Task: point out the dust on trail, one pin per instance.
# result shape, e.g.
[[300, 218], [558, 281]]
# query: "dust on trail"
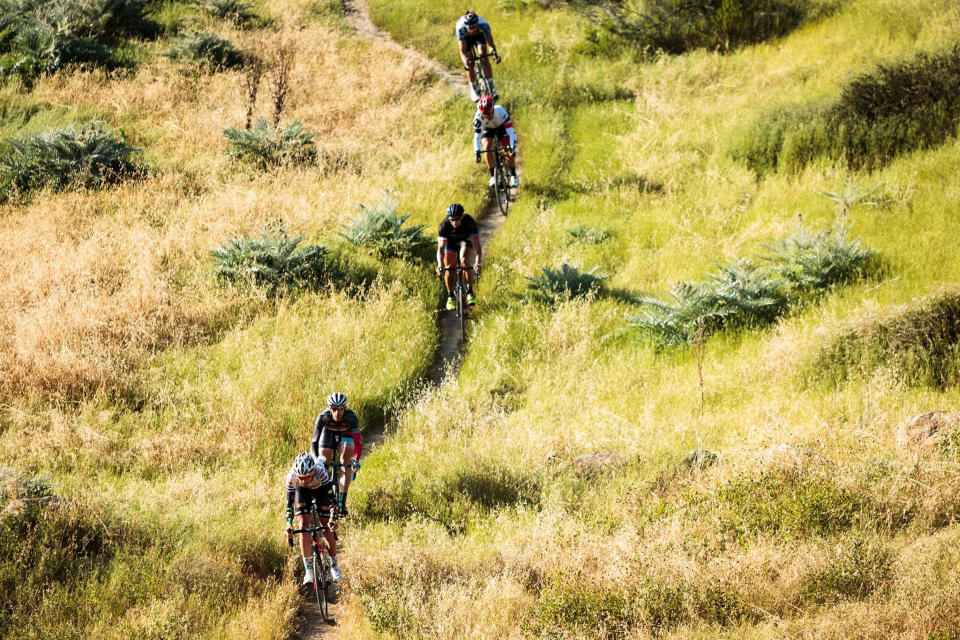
[[310, 624]]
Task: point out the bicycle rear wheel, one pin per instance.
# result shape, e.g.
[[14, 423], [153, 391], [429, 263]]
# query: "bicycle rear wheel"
[[320, 585]]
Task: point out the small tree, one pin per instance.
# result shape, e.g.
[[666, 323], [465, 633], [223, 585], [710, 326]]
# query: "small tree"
[[567, 282], [266, 146]]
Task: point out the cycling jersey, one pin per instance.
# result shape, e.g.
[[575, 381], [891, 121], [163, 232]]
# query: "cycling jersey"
[[478, 36], [348, 428], [297, 485], [498, 122], [466, 232]]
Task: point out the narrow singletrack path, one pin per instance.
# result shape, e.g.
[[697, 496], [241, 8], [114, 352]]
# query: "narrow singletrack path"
[[310, 625]]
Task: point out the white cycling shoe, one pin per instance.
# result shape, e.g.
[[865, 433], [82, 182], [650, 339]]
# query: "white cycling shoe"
[[473, 93], [514, 181], [335, 574], [492, 182], [308, 577]]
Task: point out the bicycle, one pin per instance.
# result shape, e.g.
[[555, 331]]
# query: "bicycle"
[[501, 177], [483, 82], [321, 558], [460, 295]]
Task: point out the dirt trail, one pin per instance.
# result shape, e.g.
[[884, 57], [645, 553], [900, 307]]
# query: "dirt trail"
[[310, 624]]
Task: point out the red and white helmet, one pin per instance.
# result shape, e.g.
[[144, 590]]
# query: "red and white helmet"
[[486, 104]]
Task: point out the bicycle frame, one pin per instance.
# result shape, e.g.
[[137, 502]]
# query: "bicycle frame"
[[460, 295], [321, 555], [501, 178]]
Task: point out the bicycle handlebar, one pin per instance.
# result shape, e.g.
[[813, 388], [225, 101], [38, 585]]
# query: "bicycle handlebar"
[[485, 55]]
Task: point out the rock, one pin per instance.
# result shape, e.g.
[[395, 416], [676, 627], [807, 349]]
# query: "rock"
[[596, 461], [14, 508], [921, 433]]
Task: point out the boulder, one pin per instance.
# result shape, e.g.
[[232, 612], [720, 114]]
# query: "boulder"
[[597, 461], [921, 433]]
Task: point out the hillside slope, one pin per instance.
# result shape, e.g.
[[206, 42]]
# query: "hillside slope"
[[478, 522]]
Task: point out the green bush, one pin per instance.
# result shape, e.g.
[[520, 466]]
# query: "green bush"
[[922, 345], [676, 26], [235, 11], [563, 284], [587, 235], [785, 503], [266, 146], [379, 228], [741, 294], [811, 262], [898, 107], [273, 262], [451, 495], [69, 157], [855, 570], [207, 50], [576, 606], [42, 37]]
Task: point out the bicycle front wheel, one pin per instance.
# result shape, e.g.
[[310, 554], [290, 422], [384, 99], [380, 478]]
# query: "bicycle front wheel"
[[462, 308], [502, 188], [320, 585]]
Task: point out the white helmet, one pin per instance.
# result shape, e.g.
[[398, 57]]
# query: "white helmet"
[[305, 465]]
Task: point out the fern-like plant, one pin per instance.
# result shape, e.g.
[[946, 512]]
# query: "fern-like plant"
[[273, 262], [380, 229], [266, 146], [567, 282], [86, 157], [811, 261], [207, 50]]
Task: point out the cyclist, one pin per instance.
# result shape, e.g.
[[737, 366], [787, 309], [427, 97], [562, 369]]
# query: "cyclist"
[[458, 237], [472, 30], [492, 121], [308, 482], [338, 421]]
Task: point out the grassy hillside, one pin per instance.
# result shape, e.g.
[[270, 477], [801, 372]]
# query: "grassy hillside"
[[159, 406], [477, 522]]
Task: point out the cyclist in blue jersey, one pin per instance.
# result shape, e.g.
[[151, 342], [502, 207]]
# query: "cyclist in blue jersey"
[[472, 30]]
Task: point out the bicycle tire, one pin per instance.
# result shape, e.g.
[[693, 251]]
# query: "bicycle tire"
[[320, 573], [462, 305], [502, 188]]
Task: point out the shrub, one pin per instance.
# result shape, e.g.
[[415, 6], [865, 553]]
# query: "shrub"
[[589, 235], [740, 294], [898, 107], [785, 502], [235, 11], [676, 26], [273, 261], [744, 295], [87, 157], [266, 146], [854, 571], [565, 283], [380, 229], [811, 262], [42, 37], [922, 345], [206, 50]]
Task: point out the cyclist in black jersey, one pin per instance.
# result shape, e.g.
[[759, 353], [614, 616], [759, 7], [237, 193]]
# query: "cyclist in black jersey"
[[458, 238], [337, 420]]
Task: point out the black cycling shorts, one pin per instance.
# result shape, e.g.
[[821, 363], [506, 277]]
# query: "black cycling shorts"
[[329, 438], [453, 246], [478, 40], [305, 496], [499, 132]]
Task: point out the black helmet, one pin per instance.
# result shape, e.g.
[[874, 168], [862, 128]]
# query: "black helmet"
[[470, 19], [455, 210], [337, 401]]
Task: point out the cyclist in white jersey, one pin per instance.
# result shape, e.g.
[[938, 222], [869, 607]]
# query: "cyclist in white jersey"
[[308, 482], [492, 121], [472, 30]]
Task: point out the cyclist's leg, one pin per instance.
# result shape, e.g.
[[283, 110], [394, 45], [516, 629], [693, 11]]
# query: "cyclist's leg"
[[450, 261], [486, 143], [482, 50], [346, 459], [471, 70], [466, 260]]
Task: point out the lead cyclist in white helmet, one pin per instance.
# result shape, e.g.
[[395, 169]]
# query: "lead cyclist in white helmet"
[[472, 30]]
